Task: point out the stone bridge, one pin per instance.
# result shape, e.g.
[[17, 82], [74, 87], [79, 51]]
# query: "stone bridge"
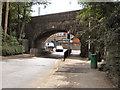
[[42, 27]]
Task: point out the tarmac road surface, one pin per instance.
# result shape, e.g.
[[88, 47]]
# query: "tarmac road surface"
[[28, 72]]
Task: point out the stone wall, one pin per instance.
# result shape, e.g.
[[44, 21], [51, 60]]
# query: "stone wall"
[[25, 44]]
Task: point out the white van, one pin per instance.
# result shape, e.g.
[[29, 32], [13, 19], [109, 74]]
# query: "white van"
[[49, 45]]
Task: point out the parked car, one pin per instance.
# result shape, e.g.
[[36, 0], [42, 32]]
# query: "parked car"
[[50, 45], [59, 49]]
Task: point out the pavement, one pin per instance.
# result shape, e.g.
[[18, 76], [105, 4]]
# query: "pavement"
[[75, 72]]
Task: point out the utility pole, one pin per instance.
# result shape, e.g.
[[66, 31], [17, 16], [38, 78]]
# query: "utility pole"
[[68, 37], [89, 52], [89, 37]]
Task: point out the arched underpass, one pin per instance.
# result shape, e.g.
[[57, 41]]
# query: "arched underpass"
[[40, 43], [41, 27], [40, 40]]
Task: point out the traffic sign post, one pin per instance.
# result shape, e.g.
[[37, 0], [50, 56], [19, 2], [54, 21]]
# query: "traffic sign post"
[[68, 37]]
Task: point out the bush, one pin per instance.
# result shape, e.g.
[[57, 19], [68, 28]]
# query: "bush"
[[12, 50], [11, 46]]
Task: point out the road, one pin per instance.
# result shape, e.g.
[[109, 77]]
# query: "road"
[[56, 55], [39, 72], [28, 72]]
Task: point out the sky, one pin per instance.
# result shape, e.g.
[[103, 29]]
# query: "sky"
[[56, 6]]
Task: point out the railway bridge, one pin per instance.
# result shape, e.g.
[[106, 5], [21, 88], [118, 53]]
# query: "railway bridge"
[[42, 27]]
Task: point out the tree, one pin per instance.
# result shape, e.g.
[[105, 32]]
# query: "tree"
[[0, 13], [23, 24], [0, 26], [104, 34], [96, 13], [18, 30], [14, 17], [6, 20], [19, 15], [26, 16]]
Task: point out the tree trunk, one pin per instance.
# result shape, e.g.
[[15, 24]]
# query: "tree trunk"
[[18, 30], [23, 24], [21, 31], [0, 14], [6, 20]]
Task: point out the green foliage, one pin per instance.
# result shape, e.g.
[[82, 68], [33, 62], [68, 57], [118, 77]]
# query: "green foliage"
[[104, 33], [104, 26], [19, 15], [95, 12], [16, 15], [11, 46], [11, 50]]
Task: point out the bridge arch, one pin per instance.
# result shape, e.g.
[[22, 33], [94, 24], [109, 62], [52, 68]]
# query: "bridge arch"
[[41, 27], [40, 40]]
